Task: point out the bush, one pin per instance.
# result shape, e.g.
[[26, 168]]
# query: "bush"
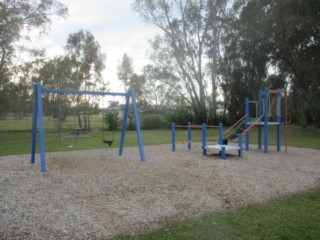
[[112, 120], [223, 118], [180, 115], [152, 121]]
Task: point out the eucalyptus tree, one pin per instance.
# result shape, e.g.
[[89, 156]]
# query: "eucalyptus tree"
[[88, 62], [243, 66], [125, 70], [87, 58], [158, 93], [19, 99], [284, 35], [294, 30], [137, 82], [184, 48], [57, 73], [17, 19]]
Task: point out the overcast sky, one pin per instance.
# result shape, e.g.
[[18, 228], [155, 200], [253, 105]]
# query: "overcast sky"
[[114, 25]]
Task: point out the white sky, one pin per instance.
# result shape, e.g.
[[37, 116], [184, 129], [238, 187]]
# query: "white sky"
[[114, 25]]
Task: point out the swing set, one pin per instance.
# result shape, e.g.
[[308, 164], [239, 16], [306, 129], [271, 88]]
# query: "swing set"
[[38, 125]]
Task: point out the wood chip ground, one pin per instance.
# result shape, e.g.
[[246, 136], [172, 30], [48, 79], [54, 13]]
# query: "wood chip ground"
[[96, 193]]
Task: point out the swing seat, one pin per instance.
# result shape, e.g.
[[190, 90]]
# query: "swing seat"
[[108, 142]]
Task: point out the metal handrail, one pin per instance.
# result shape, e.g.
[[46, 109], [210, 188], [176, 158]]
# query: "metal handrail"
[[233, 126], [253, 124]]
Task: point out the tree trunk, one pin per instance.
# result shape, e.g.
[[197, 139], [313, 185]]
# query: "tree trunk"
[[214, 97], [316, 121], [85, 124], [79, 120], [89, 123], [131, 126], [304, 123], [213, 80]]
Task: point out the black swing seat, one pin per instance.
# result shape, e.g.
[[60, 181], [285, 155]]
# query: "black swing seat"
[[108, 142]]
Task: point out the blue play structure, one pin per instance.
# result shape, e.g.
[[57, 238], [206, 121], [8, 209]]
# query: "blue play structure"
[[261, 121], [38, 126], [244, 125], [222, 148]]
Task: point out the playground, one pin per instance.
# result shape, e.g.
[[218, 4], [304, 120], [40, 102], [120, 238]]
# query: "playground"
[[96, 193], [99, 193]]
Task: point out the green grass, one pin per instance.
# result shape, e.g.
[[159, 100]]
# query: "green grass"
[[296, 217], [15, 136], [297, 137]]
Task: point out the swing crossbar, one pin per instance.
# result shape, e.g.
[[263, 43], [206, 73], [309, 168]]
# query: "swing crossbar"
[[79, 92]]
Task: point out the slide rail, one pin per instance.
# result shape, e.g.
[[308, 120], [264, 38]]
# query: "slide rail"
[[253, 124], [234, 125]]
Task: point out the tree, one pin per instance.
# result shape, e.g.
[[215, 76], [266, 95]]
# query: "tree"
[[24, 75], [285, 35], [18, 99], [183, 48], [88, 62], [19, 15], [244, 62], [125, 70], [87, 58], [219, 11], [294, 30], [158, 94], [112, 120], [57, 73], [137, 82]]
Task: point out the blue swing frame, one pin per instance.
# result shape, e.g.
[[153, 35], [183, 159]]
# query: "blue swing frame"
[[38, 125]]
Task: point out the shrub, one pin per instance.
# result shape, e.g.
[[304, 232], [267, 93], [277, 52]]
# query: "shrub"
[[180, 115], [112, 120], [223, 118], [152, 121]]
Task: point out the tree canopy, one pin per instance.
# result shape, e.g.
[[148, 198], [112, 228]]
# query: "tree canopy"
[[185, 47], [241, 46], [205, 48], [285, 35], [18, 17]]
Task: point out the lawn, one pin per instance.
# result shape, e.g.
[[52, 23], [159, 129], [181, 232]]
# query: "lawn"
[[15, 136], [296, 217]]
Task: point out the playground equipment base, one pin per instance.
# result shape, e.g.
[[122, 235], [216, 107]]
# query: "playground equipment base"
[[223, 149]]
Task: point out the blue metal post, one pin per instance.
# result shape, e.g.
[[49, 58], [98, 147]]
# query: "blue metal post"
[[189, 135], [240, 145], [279, 96], [173, 137], [137, 121], [204, 139], [223, 152], [246, 122], [266, 119], [41, 128], [124, 124], [34, 125], [260, 107], [220, 133]]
